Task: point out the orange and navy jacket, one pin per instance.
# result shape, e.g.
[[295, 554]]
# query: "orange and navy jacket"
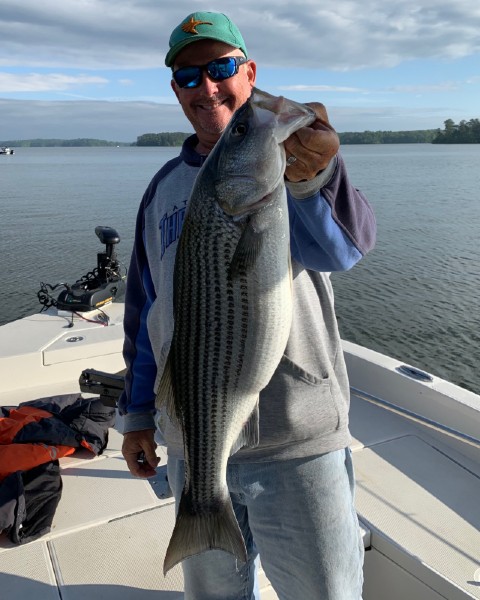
[[43, 430], [33, 436]]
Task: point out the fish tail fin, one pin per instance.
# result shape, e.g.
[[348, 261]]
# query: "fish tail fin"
[[196, 532]]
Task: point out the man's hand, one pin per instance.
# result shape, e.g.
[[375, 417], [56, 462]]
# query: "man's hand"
[[313, 146], [138, 449]]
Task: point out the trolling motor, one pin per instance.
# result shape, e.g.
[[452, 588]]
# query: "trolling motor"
[[96, 288]]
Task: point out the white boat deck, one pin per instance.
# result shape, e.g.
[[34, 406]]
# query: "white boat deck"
[[108, 540], [420, 500], [111, 530], [417, 491]]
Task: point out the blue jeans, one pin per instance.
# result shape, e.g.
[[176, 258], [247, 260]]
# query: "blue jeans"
[[299, 515]]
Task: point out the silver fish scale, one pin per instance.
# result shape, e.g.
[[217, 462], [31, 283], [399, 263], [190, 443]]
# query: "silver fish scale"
[[212, 327]]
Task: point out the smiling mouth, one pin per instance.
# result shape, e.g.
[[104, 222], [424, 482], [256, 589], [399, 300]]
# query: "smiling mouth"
[[209, 106]]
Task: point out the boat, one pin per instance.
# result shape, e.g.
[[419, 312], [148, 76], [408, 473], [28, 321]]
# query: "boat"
[[416, 451], [6, 150]]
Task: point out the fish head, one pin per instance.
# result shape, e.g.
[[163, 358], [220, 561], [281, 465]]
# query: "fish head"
[[248, 162]]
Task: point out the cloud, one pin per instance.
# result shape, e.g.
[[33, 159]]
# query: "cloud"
[[36, 82], [447, 86], [82, 50], [323, 88], [336, 36], [69, 119]]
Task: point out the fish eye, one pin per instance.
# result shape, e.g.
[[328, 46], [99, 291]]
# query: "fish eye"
[[240, 129]]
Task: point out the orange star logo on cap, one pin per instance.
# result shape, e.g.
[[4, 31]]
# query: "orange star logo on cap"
[[189, 26]]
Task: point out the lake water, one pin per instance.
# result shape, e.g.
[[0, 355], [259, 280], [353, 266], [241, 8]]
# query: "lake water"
[[415, 297]]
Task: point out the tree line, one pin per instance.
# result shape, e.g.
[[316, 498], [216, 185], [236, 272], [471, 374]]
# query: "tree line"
[[175, 138], [422, 136], [365, 137], [466, 132]]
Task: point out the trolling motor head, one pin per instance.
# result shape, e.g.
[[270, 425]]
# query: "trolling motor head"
[[96, 288], [107, 261], [108, 236]]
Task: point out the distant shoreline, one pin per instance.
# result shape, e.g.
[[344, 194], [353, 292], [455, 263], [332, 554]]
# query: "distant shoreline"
[[176, 139], [55, 143], [463, 133]]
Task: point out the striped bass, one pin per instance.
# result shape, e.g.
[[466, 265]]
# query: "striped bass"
[[232, 298]]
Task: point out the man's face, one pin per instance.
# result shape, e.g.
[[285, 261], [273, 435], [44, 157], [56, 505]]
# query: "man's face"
[[210, 106]]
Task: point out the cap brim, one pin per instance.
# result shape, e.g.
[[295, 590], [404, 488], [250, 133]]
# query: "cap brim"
[[173, 52]]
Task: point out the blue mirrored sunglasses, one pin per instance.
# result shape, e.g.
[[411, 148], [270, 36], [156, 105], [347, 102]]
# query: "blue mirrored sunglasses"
[[218, 69]]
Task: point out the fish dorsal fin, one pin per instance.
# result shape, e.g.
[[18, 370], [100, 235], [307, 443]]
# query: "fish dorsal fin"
[[250, 434], [247, 250], [166, 395]]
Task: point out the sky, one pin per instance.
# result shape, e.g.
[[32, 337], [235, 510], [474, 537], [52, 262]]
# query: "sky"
[[95, 68]]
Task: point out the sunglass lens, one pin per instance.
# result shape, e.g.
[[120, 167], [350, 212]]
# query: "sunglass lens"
[[223, 68], [188, 76], [219, 69]]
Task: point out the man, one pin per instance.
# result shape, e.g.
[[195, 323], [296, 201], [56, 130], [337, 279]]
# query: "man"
[[293, 494]]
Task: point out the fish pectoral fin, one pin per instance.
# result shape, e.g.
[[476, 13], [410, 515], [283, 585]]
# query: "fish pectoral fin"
[[196, 532], [247, 250], [166, 395], [250, 434]]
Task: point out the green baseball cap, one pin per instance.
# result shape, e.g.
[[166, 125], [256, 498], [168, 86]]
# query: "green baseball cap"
[[204, 26]]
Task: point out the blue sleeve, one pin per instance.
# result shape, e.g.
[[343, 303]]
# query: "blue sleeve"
[[137, 402], [138, 395], [332, 225]]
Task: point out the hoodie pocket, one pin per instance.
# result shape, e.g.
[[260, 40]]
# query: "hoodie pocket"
[[298, 405]]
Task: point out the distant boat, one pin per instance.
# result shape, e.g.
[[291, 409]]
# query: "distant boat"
[[5, 150]]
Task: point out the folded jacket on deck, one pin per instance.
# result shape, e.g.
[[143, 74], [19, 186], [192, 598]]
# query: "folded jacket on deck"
[[33, 436]]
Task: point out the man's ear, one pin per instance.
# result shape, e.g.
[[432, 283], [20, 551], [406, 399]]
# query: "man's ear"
[[251, 72]]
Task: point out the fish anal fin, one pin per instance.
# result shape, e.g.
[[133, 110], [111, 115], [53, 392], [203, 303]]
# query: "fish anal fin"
[[194, 533], [250, 434]]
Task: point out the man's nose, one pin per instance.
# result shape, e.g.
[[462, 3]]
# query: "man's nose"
[[208, 85]]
